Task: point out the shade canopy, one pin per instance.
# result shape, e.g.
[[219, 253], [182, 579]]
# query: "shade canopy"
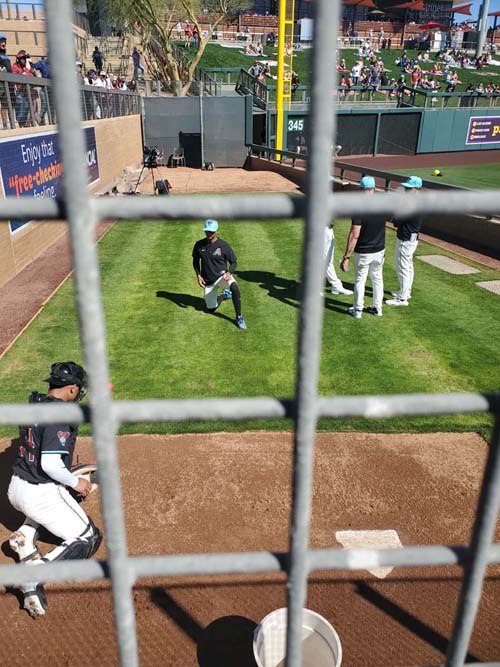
[[360, 3], [463, 9]]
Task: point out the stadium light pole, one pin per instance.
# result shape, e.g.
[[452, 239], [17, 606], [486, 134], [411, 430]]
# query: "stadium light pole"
[[483, 27], [286, 18]]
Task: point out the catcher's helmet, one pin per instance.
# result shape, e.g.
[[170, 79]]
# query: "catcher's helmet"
[[64, 373]]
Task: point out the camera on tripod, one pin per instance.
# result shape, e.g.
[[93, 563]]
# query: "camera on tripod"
[[151, 157]]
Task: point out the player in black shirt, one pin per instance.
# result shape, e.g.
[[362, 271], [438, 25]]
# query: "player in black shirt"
[[214, 263], [406, 244], [39, 486], [367, 240]]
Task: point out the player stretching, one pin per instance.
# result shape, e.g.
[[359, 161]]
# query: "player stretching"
[[211, 257], [39, 486]]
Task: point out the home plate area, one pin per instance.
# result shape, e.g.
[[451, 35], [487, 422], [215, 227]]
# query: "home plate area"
[[231, 492]]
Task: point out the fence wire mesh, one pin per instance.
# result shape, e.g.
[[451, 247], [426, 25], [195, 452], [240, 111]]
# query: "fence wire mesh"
[[82, 213]]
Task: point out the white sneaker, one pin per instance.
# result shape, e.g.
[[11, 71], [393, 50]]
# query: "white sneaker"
[[342, 290], [24, 549], [35, 602], [396, 302], [354, 312], [396, 295]]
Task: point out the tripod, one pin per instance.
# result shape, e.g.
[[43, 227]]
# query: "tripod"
[[152, 168]]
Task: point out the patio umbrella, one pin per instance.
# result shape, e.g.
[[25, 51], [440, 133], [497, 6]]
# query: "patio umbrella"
[[431, 25]]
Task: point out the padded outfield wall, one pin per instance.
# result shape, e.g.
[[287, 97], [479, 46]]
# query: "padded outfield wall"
[[30, 165], [400, 131]]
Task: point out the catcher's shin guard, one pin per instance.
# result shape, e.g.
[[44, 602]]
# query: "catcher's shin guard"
[[84, 546]]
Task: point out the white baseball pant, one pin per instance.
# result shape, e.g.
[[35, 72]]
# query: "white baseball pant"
[[49, 505], [404, 265], [369, 264], [328, 251], [211, 291]]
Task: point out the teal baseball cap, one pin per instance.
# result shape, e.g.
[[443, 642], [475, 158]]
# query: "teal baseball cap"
[[413, 182], [211, 225], [367, 183]]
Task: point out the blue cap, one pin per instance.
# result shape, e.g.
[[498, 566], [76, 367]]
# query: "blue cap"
[[367, 183], [413, 182], [211, 225], [2, 36]]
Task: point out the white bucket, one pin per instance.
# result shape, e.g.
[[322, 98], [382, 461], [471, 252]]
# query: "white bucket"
[[320, 643]]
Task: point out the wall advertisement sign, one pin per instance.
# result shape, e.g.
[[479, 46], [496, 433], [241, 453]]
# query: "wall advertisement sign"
[[483, 130], [30, 166]]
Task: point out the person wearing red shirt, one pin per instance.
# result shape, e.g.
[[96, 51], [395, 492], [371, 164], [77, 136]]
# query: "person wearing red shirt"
[[22, 104]]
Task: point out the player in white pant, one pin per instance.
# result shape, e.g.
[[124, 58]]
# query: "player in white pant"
[[367, 241], [329, 249], [39, 487], [406, 244]]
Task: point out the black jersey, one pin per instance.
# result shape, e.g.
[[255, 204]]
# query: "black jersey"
[[408, 226], [211, 260], [37, 439], [372, 234]]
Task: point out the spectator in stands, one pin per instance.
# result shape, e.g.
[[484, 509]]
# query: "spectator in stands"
[[5, 66], [43, 67], [295, 83], [178, 29], [22, 104], [97, 59], [79, 73], [132, 86], [100, 80], [195, 37], [136, 57], [259, 49], [188, 33], [356, 72], [266, 70], [255, 69]]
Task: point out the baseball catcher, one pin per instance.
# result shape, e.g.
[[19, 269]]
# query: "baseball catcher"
[[43, 481]]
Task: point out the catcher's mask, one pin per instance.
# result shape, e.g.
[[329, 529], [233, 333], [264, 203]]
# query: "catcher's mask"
[[64, 373]]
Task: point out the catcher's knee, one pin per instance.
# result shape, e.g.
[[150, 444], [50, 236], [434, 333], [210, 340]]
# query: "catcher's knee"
[[84, 546]]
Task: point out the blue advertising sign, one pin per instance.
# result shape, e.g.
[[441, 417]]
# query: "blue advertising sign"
[[483, 130], [30, 166]]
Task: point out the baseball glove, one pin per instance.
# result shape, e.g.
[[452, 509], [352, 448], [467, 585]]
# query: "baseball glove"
[[86, 470], [89, 472]]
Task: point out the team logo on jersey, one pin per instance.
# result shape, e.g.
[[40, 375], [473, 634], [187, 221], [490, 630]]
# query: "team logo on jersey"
[[63, 437], [217, 251]]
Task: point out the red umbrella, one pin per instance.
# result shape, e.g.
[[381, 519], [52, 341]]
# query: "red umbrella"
[[431, 25]]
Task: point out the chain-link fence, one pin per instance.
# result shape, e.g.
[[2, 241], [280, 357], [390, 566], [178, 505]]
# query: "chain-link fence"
[[106, 415]]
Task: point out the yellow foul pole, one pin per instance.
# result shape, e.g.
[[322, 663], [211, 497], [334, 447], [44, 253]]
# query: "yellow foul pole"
[[285, 64]]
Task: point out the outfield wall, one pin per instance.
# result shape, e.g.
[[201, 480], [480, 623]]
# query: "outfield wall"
[[407, 131], [115, 143]]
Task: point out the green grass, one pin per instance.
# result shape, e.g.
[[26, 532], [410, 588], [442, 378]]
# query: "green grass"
[[480, 176], [162, 345], [219, 56]]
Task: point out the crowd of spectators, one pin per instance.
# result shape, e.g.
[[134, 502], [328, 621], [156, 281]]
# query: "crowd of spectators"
[[32, 104], [434, 74]]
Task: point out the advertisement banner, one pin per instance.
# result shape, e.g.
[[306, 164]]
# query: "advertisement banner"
[[483, 130], [30, 166]]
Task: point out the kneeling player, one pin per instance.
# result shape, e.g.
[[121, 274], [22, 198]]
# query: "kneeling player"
[[40, 482], [214, 262]]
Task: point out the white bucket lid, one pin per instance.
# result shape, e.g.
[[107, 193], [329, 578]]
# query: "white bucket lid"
[[321, 645]]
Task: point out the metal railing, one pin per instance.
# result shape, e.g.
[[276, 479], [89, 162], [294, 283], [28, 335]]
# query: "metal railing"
[[82, 212], [29, 101], [22, 10]]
